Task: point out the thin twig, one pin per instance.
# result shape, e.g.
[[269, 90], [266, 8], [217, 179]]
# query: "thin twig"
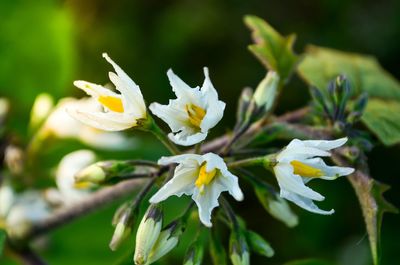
[[28, 257]]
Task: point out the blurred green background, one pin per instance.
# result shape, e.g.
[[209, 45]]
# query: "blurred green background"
[[45, 45]]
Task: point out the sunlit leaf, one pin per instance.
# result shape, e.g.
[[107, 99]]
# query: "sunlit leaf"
[[271, 48], [383, 118], [373, 205], [321, 65]]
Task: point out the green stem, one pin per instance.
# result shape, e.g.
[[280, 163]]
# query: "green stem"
[[230, 213], [197, 148], [267, 161], [160, 134]]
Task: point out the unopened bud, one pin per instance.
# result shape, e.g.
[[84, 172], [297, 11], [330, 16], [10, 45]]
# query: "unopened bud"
[[259, 245], [239, 250], [93, 173], [275, 205], [148, 233], [41, 109], [266, 91], [123, 221], [194, 254], [168, 239], [243, 105]]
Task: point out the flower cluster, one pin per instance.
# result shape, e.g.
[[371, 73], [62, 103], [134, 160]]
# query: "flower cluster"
[[203, 176]]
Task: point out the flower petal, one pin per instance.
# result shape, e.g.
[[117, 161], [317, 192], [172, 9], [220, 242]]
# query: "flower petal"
[[304, 202], [181, 183], [185, 139], [294, 183], [207, 200], [101, 120], [325, 144]]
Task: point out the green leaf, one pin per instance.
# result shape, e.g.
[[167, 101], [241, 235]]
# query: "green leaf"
[[309, 262], [271, 48], [365, 75], [3, 236], [383, 118], [373, 205], [259, 245]]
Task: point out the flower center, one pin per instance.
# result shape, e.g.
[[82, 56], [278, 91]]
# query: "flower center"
[[112, 103], [195, 113], [204, 177], [304, 170]]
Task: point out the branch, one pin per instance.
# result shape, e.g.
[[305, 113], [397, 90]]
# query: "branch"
[[69, 213]]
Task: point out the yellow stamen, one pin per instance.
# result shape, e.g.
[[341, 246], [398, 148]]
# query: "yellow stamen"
[[112, 103], [195, 113], [204, 177], [304, 170], [82, 185]]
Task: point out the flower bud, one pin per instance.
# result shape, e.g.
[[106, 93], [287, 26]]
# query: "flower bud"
[[103, 171], [266, 91], [41, 109], [239, 250], [243, 105], [194, 254], [259, 245], [148, 233], [168, 239], [93, 173], [274, 204], [123, 221]]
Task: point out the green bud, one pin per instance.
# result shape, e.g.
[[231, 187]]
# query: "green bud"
[[168, 239], [123, 222], [239, 250], [148, 233], [4, 108], [194, 254], [41, 108], [103, 171], [266, 91], [93, 173], [274, 204], [259, 245], [243, 105]]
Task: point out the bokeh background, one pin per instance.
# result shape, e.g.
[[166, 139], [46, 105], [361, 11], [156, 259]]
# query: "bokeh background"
[[45, 45]]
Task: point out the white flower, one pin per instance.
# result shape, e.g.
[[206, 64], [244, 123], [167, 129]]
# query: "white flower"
[[299, 163], [27, 209], [121, 111], [72, 163], [192, 113], [62, 125], [202, 176]]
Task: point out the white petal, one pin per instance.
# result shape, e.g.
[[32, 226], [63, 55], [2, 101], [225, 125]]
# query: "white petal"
[[104, 121], [325, 144], [304, 203], [299, 153], [207, 201], [181, 183], [215, 112], [231, 183], [294, 183], [130, 85], [185, 139], [182, 90], [330, 172], [207, 88], [176, 118], [132, 98], [94, 90], [186, 159]]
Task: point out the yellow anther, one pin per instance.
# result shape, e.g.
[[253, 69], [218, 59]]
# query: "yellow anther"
[[204, 177], [112, 103], [195, 113], [304, 170], [82, 185]]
